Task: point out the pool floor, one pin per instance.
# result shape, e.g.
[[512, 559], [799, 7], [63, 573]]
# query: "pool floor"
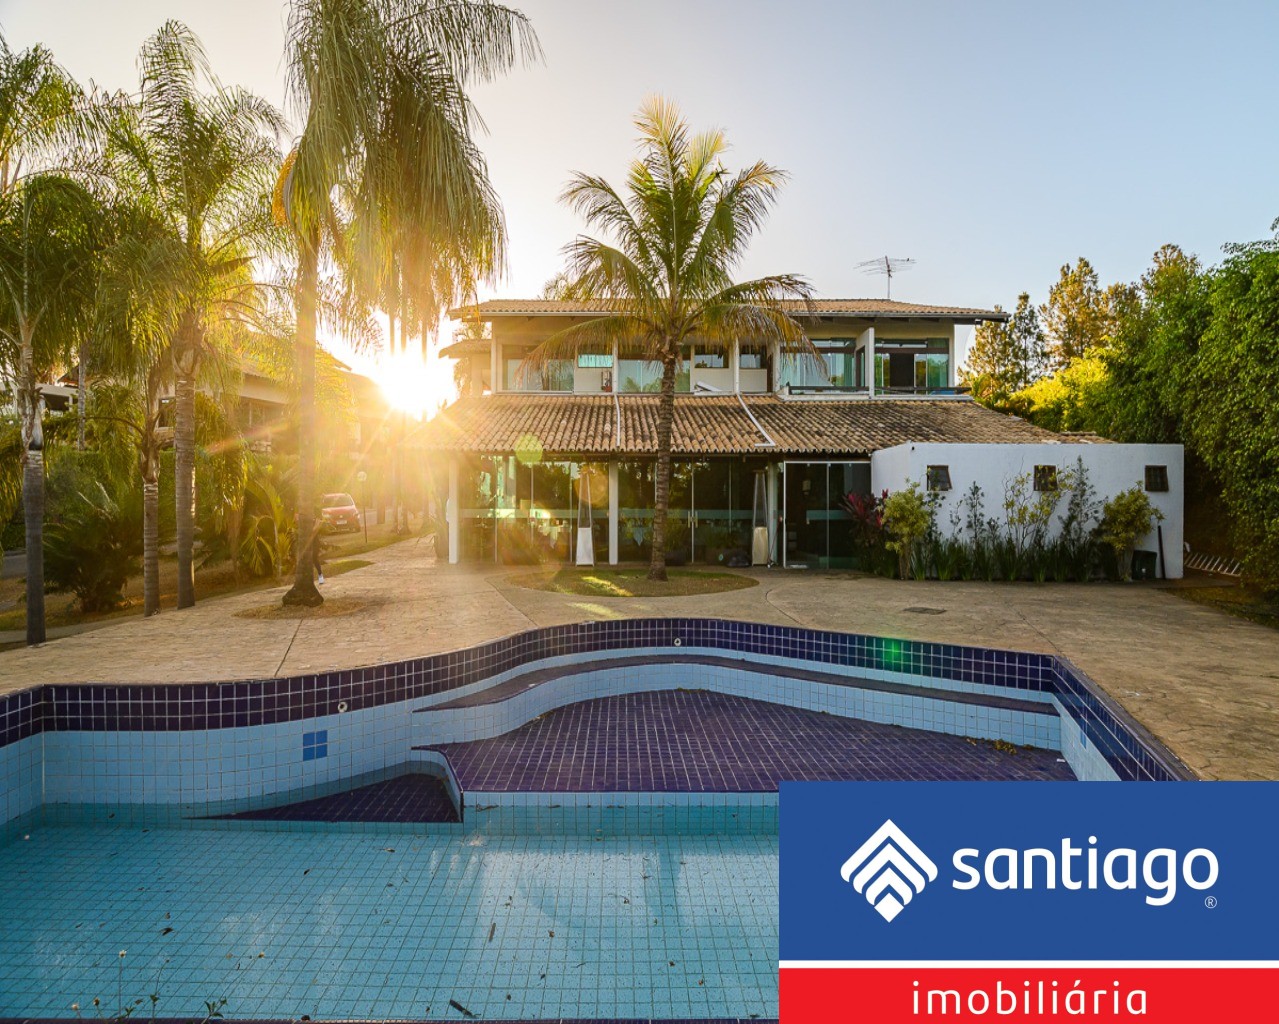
[[698, 741], [387, 925]]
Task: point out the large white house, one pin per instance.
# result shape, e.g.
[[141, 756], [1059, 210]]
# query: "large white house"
[[762, 441]]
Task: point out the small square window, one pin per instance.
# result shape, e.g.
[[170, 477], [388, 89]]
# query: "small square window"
[[1045, 478], [939, 478], [1156, 478]]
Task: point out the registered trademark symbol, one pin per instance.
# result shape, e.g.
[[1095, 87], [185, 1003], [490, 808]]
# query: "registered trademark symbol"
[[1210, 901]]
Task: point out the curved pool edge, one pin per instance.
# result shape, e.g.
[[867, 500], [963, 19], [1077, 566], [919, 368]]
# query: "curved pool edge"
[[204, 731]]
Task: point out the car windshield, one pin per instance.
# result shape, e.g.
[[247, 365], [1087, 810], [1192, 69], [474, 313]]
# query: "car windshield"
[[337, 501]]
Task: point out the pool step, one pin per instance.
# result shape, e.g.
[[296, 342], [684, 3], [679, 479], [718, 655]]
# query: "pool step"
[[500, 708]]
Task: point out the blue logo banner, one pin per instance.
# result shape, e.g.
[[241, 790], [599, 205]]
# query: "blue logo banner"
[[917, 871]]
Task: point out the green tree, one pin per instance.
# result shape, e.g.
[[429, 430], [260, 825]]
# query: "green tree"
[[1006, 356], [354, 69], [49, 238], [37, 100], [679, 234], [1075, 316], [1151, 362], [1231, 409], [207, 157]]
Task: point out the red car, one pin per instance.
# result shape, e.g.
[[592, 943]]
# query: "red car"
[[338, 514]]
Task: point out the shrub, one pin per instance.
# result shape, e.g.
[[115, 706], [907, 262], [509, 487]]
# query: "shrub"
[[93, 547], [907, 518], [1126, 517], [866, 523]]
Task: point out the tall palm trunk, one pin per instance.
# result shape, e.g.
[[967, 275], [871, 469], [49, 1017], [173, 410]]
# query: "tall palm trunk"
[[304, 591], [665, 427], [28, 394], [185, 359], [33, 515], [82, 396], [150, 536]]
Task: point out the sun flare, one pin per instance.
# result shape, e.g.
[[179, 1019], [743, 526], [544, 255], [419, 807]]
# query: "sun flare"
[[413, 385]]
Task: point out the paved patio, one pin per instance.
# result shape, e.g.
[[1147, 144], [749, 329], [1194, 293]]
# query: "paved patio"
[[1205, 683]]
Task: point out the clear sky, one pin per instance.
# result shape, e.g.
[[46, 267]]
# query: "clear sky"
[[990, 141]]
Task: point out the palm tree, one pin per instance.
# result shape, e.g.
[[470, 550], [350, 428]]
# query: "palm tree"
[[207, 157], [678, 235], [144, 280], [37, 99], [49, 237], [355, 73]]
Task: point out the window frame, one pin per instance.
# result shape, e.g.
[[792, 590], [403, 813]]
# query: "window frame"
[[937, 479], [1161, 483], [1046, 478]]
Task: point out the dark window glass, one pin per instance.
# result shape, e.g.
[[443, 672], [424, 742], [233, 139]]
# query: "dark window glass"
[[1156, 478], [939, 478], [751, 357], [704, 360], [1045, 478]]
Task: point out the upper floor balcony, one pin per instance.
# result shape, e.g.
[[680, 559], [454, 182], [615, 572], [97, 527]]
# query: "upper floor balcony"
[[901, 367]]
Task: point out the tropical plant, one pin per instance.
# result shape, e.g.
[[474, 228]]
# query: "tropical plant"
[[49, 228], [1125, 518], [1028, 517], [92, 547], [206, 156], [270, 523], [866, 524], [359, 72], [907, 519], [1076, 543], [667, 276], [37, 99]]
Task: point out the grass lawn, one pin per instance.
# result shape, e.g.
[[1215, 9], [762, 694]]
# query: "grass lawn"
[[631, 582], [1242, 601]]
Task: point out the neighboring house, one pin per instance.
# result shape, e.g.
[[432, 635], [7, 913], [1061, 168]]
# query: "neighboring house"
[[761, 441]]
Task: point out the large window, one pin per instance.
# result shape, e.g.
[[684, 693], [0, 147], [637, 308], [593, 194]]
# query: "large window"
[[556, 375], [837, 368], [932, 370], [517, 512], [635, 374]]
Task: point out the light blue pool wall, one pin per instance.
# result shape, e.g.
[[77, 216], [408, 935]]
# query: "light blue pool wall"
[[209, 770]]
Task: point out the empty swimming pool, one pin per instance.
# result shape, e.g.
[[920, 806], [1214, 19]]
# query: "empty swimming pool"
[[577, 822]]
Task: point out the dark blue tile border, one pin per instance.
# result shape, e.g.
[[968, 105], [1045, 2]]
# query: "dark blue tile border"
[[1129, 749]]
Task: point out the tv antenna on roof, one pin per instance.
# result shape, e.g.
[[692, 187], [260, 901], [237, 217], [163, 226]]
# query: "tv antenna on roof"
[[888, 266]]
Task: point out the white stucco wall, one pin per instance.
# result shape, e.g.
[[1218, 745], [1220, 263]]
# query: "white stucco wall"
[[1111, 468]]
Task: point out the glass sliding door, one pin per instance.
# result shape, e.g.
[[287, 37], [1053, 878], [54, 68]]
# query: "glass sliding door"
[[817, 533], [521, 514]]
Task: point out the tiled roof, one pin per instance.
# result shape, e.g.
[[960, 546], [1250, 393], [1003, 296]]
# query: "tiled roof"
[[821, 307], [468, 347], [714, 424]]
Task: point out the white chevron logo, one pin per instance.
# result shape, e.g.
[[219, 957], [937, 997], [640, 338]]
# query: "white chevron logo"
[[890, 870]]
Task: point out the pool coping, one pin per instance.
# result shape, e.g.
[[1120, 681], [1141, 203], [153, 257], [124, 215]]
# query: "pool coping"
[[1127, 746]]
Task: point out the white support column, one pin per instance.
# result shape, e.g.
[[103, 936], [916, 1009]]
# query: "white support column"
[[612, 514], [495, 367], [737, 365], [453, 513], [870, 361]]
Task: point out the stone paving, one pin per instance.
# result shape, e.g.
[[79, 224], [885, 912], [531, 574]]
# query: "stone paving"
[[1205, 683]]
